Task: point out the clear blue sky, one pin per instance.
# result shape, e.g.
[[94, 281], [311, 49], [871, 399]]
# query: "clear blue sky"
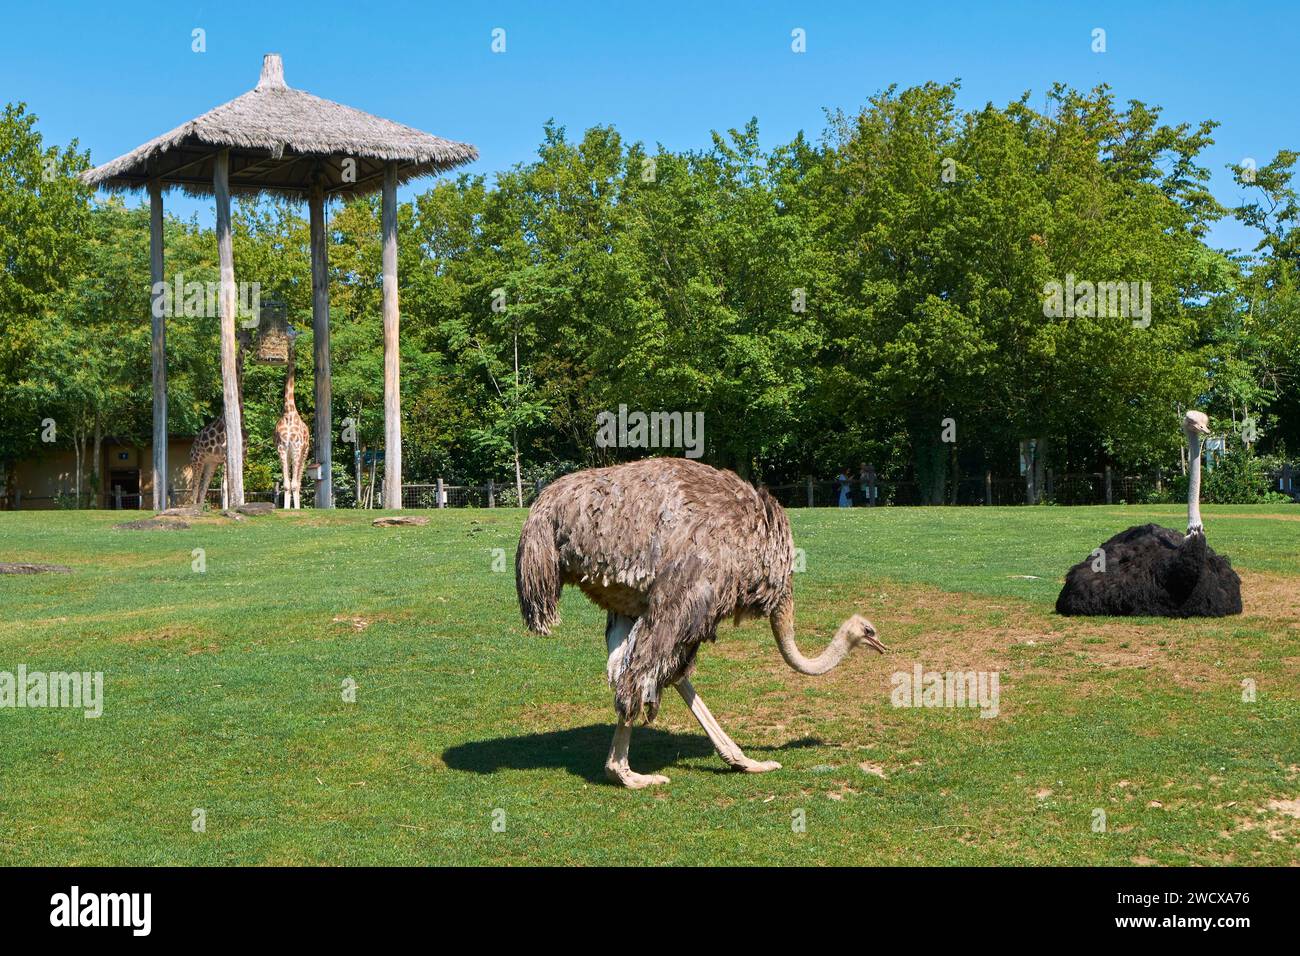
[[667, 72]]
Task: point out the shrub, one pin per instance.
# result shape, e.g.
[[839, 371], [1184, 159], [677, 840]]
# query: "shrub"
[[1239, 478]]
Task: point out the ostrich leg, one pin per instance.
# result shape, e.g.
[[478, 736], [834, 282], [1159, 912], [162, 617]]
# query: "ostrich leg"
[[726, 747], [619, 639]]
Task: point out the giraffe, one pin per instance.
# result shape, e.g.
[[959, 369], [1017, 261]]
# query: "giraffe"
[[292, 439], [209, 449]]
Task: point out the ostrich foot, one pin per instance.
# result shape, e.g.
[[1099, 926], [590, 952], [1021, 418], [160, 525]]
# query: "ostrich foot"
[[745, 765], [727, 748], [616, 767], [633, 780]]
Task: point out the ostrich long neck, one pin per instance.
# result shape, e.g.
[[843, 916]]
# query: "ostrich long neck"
[[1193, 481], [783, 629]]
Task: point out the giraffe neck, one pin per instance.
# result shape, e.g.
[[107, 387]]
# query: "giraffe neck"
[[289, 405]]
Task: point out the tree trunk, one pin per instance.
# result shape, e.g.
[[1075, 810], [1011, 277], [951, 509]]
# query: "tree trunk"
[[1040, 470], [930, 464], [78, 448], [96, 475], [956, 474]]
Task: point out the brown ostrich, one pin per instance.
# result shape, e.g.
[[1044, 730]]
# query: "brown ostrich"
[[669, 548]]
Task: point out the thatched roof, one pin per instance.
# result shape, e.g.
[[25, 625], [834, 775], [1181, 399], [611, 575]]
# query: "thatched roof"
[[281, 140]]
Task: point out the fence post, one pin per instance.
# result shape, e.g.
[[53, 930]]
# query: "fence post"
[[537, 490], [1051, 483], [491, 493], [440, 496], [810, 491], [1109, 486], [1160, 480], [117, 497], [988, 487]]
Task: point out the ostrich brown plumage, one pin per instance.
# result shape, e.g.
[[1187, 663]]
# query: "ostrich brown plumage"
[[669, 548]]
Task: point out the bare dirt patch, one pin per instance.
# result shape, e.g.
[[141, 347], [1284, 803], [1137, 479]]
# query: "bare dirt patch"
[[1290, 808], [394, 521], [946, 631], [169, 633], [1274, 597], [24, 568], [153, 524]]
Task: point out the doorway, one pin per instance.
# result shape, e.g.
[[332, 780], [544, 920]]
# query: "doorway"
[[123, 488]]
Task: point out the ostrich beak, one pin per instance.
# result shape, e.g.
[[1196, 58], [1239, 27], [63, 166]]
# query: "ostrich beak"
[[872, 641]]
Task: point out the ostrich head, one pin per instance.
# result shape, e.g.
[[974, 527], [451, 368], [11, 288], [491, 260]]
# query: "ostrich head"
[[1195, 422], [860, 631]]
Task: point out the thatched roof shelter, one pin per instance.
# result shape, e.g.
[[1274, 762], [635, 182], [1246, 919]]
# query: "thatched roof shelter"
[[278, 139], [283, 140]]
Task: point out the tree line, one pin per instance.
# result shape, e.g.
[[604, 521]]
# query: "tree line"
[[922, 287]]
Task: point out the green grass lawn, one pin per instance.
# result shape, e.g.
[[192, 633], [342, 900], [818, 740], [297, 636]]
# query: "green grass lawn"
[[224, 692]]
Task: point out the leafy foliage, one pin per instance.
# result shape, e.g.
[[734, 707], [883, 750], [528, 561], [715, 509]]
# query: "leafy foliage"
[[820, 303]]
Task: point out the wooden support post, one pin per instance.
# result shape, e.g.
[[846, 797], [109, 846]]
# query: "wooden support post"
[[1110, 499], [439, 495], [356, 465], [988, 487], [159, 349], [234, 480], [392, 358], [491, 494], [810, 491], [320, 323]]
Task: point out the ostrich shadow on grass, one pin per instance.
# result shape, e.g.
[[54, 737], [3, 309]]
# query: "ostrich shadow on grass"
[[582, 750]]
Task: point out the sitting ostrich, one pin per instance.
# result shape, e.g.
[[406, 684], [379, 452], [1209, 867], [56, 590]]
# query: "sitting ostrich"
[[669, 548], [1155, 571]]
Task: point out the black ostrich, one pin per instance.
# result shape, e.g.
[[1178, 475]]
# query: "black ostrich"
[[1153, 571]]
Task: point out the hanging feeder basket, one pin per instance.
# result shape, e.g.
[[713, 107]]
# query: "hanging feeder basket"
[[273, 335]]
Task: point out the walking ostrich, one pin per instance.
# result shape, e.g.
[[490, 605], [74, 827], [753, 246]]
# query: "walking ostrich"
[[1155, 571], [669, 548]]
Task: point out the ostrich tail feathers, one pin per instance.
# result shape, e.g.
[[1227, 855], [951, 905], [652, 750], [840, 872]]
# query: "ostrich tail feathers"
[[537, 574]]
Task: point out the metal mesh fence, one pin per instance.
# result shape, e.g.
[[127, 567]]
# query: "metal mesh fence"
[[1063, 489]]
